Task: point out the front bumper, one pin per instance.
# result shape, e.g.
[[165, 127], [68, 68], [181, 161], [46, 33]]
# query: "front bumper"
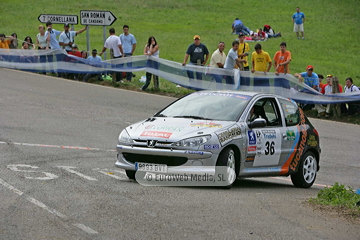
[[191, 161]]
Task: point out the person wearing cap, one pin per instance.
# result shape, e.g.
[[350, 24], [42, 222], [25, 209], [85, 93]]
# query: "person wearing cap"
[[309, 77], [199, 55], [298, 20], [129, 45], [67, 37], [93, 60], [75, 52]]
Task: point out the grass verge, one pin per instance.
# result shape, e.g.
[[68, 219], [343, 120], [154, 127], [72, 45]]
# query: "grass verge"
[[340, 199]]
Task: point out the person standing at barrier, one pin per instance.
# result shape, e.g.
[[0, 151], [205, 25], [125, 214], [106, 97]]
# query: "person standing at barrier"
[[151, 49], [129, 45], [309, 77], [67, 37], [217, 60], [232, 60], [261, 62], [43, 43], [350, 108], [199, 55], [282, 61], [54, 43], [113, 42], [14, 42]]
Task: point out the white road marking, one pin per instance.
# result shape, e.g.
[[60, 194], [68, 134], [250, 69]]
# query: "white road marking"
[[85, 228], [108, 172], [15, 167], [69, 169], [46, 208], [56, 146], [98, 149]]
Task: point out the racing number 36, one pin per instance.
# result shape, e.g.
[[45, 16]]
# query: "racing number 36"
[[269, 148]]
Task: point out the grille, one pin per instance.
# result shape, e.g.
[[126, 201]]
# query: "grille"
[[170, 161]]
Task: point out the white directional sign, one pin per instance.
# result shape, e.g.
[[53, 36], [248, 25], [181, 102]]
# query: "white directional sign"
[[99, 18], [54, 18]]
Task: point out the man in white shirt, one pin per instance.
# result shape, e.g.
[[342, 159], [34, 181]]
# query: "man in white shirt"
[[217, 60], [67, 38], [113, 42]]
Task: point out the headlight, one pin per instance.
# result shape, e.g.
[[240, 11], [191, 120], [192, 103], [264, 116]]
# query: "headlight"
[[124, 137], [192, 142]]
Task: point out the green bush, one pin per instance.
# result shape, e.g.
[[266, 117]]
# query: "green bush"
[[338, 195]]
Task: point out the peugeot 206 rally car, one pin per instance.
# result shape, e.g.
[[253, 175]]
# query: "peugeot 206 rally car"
[[251, 134]]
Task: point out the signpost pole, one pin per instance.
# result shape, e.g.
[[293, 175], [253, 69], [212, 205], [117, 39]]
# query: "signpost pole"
[[88, 40], [104, 37]]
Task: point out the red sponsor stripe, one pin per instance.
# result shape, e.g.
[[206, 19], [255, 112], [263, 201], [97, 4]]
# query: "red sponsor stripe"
[[156, 134]]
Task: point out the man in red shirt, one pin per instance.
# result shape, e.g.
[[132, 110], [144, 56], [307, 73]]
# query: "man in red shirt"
[[77, 53]]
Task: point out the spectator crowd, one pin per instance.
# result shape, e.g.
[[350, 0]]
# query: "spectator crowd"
[[238, 56]]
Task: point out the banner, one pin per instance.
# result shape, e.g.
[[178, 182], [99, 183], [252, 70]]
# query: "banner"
[[189, 76]]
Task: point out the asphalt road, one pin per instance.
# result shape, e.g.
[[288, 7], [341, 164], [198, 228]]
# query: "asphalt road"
[[58, 179]]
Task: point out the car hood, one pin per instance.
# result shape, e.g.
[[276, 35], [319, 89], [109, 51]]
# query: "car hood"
[[174, 129]]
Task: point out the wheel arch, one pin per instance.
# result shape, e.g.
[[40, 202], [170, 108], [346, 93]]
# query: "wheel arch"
[[237, 157]]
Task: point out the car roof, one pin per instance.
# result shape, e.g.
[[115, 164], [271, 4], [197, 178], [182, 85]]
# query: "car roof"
[[250, 94]]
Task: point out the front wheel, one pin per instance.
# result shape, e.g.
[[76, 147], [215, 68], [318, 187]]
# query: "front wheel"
[[227, 159], [306, 174]]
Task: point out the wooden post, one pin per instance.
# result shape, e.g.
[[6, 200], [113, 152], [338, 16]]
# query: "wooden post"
[[335, 89]]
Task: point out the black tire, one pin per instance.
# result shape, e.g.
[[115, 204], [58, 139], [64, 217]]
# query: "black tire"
[[306, 174], [227, 158], [130, 174]]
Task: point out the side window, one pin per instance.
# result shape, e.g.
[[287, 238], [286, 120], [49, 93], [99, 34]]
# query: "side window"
[[268, 109], [272, 112], [291, 112]]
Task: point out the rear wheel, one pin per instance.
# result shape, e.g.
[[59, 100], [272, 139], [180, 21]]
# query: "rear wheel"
[[306, 174], [227, 159]]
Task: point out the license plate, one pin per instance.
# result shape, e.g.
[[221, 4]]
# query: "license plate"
[[150, 167]]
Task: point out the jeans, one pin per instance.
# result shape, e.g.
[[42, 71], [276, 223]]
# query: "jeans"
[[129, 64]]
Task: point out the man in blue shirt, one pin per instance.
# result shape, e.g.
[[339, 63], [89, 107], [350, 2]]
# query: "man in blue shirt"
[[238, 27], [129, 45], [232, 59], [93, 60], [298, 19], [309, 77]]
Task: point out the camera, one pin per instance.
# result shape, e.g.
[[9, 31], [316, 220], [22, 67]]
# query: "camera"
[[49, 29]]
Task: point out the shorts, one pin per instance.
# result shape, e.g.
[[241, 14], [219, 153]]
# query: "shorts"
[[298, 27]]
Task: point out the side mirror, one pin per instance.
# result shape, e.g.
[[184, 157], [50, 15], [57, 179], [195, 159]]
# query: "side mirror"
[[257, 123]]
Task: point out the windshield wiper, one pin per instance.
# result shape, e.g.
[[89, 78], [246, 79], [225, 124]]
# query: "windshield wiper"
[[160, 115], [194, 117]]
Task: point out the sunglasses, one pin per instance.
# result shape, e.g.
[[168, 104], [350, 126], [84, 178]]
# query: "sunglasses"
[[329, 75], [310, 69]]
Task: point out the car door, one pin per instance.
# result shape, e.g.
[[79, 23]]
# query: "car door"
[[264, 145], [291, 121]]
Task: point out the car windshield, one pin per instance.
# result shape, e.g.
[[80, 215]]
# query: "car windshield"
[[207, 106]]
